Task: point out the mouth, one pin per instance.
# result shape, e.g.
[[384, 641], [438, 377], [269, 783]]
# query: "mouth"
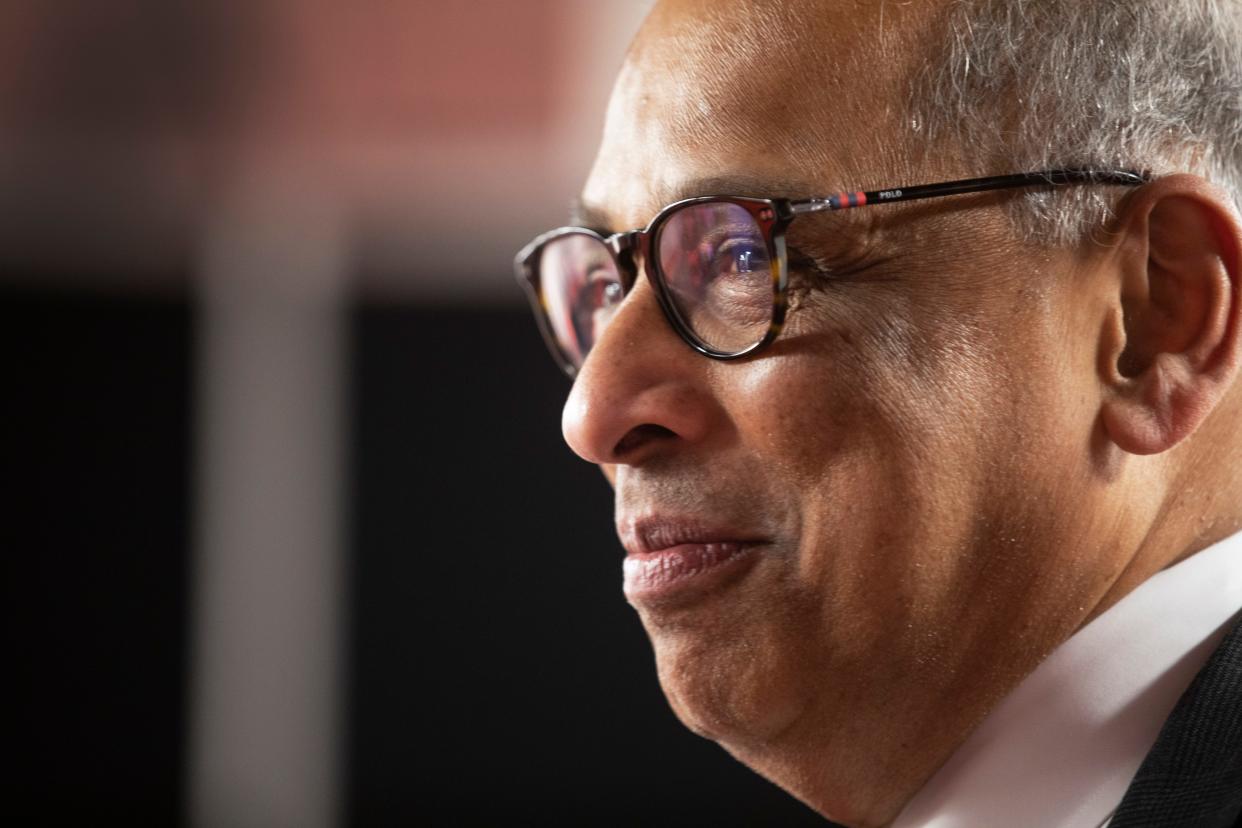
[[673, 563]]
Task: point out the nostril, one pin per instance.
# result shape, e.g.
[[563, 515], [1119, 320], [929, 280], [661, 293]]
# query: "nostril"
[[640, 436]]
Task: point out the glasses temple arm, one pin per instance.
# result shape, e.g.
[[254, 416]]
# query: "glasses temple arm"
[[1045, 178]]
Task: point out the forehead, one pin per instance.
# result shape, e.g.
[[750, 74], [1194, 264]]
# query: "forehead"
[[800, 92]]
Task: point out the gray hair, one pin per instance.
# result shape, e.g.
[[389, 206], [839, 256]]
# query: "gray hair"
[[1024, 85]]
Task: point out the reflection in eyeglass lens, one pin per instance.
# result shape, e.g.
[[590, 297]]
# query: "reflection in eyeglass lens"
[[716, 264], [581, 290]]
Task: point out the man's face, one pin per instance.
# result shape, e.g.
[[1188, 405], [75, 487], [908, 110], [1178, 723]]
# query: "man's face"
[[835, 537]]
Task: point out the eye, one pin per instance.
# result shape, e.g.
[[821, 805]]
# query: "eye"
[[595, 301], [601, 291], [737, 264], [738, 257]]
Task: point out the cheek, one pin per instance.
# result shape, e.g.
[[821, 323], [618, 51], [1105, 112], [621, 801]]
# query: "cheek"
[[880, 437], [822, 405], [845, 436], [873, 458], [794, 408]]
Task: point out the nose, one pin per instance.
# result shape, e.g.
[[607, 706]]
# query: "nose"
[[641, 391]]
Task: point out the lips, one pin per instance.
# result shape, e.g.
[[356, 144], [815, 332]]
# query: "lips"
[[670, 561]]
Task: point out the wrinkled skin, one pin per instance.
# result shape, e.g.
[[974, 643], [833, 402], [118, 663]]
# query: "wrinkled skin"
[[928, 453]]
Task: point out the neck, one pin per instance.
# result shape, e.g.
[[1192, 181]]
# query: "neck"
[[1200, 483]]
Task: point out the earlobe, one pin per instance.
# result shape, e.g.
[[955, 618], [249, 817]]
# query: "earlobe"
[[1174, 351], [1159, 408]]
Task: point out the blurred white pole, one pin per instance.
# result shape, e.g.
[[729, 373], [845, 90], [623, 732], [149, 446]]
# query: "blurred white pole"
[[268, 592]]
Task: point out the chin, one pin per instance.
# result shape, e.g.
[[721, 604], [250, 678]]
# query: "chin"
[[733, 686], [739, 650]]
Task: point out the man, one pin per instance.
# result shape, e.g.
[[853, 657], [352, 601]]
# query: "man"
[[928, 499]]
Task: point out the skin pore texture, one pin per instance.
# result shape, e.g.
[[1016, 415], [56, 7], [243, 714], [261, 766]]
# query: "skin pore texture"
[[962, 448]]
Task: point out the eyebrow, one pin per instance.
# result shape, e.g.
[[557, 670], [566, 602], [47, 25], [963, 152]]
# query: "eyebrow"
[[585, 214]]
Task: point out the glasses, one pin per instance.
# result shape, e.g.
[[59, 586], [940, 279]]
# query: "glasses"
[[717, 264]]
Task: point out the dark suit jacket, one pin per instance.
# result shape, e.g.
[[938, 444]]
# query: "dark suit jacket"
[[1193, 776]]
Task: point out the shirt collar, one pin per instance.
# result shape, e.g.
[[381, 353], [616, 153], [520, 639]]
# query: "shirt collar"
[[1062, 748]]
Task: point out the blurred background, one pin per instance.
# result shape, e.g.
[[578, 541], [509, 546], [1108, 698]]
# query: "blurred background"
[[291, 536]]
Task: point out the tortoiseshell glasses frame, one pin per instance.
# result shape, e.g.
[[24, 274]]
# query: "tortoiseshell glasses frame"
[[573, 303]]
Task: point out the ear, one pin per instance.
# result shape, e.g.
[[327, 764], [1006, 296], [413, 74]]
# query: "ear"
[[1172, 349]]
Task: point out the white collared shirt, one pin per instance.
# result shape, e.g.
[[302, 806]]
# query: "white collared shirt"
[[1063, 747]]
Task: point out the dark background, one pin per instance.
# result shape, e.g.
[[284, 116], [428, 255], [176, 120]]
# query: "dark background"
[[496, 675], [95, 540]]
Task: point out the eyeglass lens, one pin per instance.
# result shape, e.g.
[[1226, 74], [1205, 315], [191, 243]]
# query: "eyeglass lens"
[[719, 275], [581, 290], [715, 264]]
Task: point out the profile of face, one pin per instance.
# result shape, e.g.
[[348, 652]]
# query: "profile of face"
[[853, 542]]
